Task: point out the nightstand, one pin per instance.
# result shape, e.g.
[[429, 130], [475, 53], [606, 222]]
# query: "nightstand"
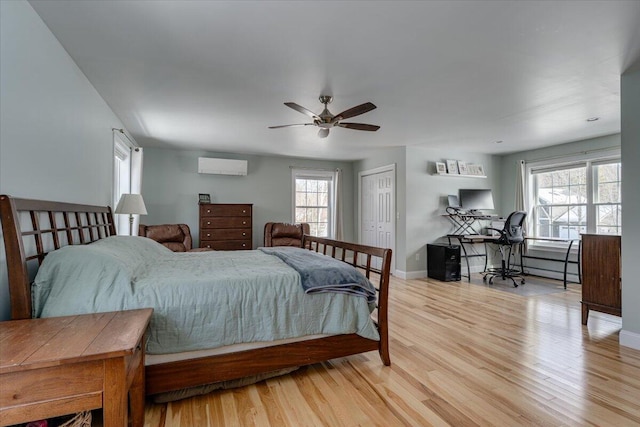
[[62, 365]]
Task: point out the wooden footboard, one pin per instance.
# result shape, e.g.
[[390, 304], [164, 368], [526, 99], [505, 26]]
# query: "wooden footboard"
[[32, 228]]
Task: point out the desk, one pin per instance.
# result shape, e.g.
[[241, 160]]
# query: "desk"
[[472, 239], [62, 365], [566, 260]]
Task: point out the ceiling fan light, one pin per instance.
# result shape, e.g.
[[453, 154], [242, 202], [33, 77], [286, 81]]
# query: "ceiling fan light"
[[323, 133]]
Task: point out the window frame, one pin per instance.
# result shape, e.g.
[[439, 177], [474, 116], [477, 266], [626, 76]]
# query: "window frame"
[[586, 159], [318, 174]]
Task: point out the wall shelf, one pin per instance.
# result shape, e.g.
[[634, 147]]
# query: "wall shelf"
[[457, 175]]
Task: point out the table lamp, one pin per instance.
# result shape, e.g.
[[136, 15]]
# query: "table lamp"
[[131, 204]]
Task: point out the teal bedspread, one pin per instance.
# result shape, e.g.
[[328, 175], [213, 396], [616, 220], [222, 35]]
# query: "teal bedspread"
[[201, 299]]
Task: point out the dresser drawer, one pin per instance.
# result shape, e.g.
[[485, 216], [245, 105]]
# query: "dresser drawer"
[[226, 234], [224, 222], [225, 210], [226, 245]]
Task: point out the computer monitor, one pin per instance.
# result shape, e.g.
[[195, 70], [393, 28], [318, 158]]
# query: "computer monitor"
[[476, 200]]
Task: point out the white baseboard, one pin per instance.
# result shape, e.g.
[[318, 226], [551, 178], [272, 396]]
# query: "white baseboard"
[[411, 274], [630, 339]]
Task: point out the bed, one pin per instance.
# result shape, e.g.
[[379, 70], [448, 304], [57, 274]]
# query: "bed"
[[34, 228]]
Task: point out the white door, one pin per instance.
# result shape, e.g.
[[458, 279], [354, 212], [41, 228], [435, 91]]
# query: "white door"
[[368, 211], [377, 208], [385, 224]]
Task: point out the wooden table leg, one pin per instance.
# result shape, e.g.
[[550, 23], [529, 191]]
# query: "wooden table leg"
[[136, 397], [114, 396]]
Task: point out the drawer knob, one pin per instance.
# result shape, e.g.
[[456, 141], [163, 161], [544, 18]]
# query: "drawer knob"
[[244, 234], [244, 222], [209, 246], [208, 235], [244, 211], [244, 245], [208, 223], [208, 210]]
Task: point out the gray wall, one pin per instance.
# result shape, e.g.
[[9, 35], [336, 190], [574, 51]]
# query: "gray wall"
[[171, 183], [630, 334], [427, 199], [55, 134]]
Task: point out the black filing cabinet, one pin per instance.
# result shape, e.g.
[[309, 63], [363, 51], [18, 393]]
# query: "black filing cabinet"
[[443, 262]]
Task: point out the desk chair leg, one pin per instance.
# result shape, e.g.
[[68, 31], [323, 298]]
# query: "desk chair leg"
[[486, 256]]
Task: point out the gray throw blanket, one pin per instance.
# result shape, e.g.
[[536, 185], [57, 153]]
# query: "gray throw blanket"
[[321, 273]]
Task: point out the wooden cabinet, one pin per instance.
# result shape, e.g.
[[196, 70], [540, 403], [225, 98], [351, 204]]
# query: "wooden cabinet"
[[226, 226], [601, 270]]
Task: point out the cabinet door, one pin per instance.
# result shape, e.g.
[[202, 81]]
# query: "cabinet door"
[[601, 267]]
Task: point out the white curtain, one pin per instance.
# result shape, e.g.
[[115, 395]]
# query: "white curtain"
[[136, 181], [521, 193], [337, 211], [121, 179]]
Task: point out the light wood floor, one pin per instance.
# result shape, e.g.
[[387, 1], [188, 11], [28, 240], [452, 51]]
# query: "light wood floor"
[[462, 355]]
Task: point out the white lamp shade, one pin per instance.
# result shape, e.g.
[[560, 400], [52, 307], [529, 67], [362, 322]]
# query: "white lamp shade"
[[131, 204]]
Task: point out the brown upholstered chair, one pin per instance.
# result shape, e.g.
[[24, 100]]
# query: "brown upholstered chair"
[[281, 234], [176, 237]]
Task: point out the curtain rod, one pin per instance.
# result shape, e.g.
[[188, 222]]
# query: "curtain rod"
[[135, 144], [314, 169], [563, 156]]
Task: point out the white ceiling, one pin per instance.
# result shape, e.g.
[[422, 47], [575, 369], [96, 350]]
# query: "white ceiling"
[[214, 74]]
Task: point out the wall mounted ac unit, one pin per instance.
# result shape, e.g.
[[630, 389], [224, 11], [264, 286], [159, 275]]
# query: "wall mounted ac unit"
[[222, 166]]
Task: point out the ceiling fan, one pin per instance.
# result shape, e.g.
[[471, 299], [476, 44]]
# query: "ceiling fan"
[[325, 120]]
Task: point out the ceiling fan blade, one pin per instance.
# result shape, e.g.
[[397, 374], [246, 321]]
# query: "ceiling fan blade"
[[323, 132], [355, 111], [290, 126], [301, 109], [358, 126]]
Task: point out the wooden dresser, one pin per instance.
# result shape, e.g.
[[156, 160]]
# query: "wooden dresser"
[[601, 272], [225, 226]]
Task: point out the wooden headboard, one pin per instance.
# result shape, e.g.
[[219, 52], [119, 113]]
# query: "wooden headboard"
[[33, 228]]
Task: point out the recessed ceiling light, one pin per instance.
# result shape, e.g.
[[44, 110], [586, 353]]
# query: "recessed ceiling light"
[[593, 119], [499, 142]]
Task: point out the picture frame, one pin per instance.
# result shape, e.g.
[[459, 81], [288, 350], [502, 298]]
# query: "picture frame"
[[473, 169], [480, 170], [452, 167], [462, 168], [441, 168], [204, 198]]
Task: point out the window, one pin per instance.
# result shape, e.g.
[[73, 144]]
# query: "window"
[[578, 197], [608, 197], [313, 200], [560, 207]]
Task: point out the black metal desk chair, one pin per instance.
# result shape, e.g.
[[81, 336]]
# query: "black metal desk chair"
[[511, 235]]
